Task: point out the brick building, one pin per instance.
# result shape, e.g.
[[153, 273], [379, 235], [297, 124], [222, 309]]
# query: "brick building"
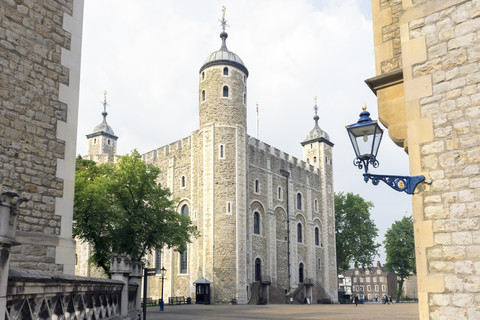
[[371, 284]]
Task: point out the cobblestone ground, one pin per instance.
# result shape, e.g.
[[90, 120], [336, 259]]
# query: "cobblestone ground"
[[280, 311]]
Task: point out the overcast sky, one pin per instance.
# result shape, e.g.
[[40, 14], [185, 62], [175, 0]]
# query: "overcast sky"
[[147, 54]]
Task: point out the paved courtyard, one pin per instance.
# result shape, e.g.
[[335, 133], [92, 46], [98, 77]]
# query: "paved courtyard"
[[282, 311]]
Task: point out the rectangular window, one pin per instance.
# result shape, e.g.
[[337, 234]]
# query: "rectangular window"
[[383, 288], [357, 288], [229, 208], [183, 262], [221, 151], [355, 279], [367, 279], [376, 288], [369, 288], [158, 260]]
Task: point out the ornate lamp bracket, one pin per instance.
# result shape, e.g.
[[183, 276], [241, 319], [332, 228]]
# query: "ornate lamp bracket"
[[399, 183]]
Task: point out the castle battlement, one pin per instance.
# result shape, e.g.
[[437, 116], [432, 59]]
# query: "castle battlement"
[[277, 153]]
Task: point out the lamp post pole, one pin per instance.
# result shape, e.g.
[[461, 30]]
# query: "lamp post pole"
[[162, 271], [286, 174]]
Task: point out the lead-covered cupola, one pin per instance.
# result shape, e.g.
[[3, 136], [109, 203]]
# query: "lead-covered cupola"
[[223, 56]]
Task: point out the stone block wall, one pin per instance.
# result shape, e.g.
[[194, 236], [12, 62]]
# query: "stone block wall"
[[39, 76], [440, 110]]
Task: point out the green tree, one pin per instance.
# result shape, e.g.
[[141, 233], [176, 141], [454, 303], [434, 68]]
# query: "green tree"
[[122, 209], [355, 231], [400, 250]]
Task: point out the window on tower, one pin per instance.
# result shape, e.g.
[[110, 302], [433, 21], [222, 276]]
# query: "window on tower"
[[317, 236], [184, 210], [225, 91], [183, 262], [256, 222], [314, 159], [183, 182], [221, 151], [299, 233], [299, 201], [225, 71], [256, 187], [203, 75], [203, 95]]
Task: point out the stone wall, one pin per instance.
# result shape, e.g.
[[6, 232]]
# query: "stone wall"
[[39, 76], [437, 100]]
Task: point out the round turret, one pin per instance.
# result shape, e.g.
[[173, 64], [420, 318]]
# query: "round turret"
[[223, 87]]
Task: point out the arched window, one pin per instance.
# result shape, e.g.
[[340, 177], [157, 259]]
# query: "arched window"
[[256, 222], [108, 141], [183, 262], [300, 273], [299, 201], [317, 236], [183, 184], [184, 210], [258, 270], [203, 75], [257, 186], [314, 159], [225, 71], [299, 233], [315, 205], [225, 91], [95, 141], [203, 95]]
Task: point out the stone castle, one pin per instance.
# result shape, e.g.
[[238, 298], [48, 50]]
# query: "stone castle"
[[266, 219]]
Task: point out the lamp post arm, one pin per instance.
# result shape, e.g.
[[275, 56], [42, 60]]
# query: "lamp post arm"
[[399, 183]]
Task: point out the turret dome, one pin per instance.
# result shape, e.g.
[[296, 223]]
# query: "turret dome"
[[223, 56]]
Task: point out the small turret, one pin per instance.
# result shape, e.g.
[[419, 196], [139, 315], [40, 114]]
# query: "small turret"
[[102, 141]]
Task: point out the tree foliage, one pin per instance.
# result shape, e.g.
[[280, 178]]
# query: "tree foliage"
[[355, 231], [400, 250], [122, 209]]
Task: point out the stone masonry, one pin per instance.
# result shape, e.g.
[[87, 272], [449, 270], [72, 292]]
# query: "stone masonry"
[[39, 80], [432, 100]]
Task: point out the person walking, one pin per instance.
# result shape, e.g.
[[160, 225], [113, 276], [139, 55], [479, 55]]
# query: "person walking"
[[356, 300]]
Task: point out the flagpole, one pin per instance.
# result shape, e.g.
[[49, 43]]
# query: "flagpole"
[[257, 121]]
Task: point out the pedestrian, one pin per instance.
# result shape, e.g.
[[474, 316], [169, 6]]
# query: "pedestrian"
[[356, 300], [391, 300]]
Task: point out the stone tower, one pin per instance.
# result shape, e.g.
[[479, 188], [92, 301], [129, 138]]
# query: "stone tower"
[[317, 151], [223, 140], [102, 142]]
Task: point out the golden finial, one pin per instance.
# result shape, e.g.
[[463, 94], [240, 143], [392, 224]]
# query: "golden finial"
[[315, 100], [105, 94], [223, 10], [364, 107]]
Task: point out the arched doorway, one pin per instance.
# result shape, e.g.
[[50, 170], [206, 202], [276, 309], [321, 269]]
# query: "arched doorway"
[[300, 273], [258, 270]]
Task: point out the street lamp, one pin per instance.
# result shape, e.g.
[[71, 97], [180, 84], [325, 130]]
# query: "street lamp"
[[163, 271], [365, 136]]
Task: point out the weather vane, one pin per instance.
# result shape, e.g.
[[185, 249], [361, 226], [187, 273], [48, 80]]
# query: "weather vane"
[[105, 101], [315, 108], [223, 21]]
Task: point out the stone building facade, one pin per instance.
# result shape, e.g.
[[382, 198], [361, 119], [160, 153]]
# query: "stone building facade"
[[265, 218], [40, 45], [427, 62]]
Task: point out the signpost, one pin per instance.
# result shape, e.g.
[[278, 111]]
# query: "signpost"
[[146, 272]]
